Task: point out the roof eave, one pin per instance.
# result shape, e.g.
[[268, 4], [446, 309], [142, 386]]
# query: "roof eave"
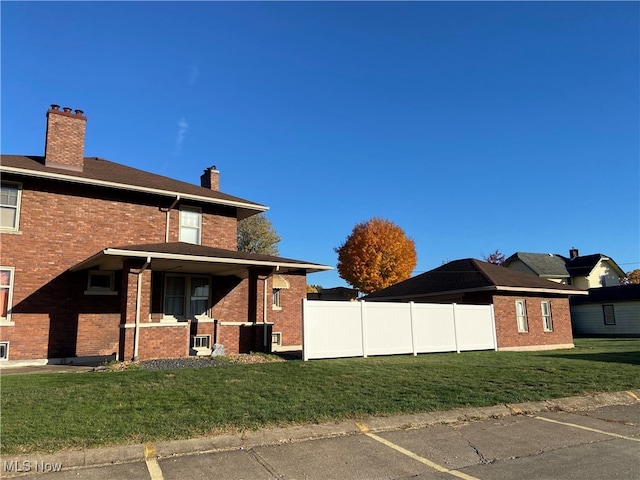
[[244, 207], [278, 266], [435, 294], [542, 290]]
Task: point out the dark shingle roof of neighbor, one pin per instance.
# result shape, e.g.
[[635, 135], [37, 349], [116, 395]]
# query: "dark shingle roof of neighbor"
[[554, 265], [543, 264], [582, 265], [468, 274], [107, 171], [619, 293]]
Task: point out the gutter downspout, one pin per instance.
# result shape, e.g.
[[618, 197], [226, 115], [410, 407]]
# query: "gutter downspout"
[[264, 317], [136, 332], [166, 233]]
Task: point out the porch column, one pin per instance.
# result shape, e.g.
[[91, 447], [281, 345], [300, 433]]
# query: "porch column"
[[256, 301], [254, 305], [130, 271]]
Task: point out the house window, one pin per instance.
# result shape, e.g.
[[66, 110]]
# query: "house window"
[[276, 298], [186, 297], [278, 283], [547, 321], [521, 315], [100, 283], [609, 315], [201, 341], [199, 296], [4, 350], [276, 339], [6, 293], [10, 194], [190, 225]]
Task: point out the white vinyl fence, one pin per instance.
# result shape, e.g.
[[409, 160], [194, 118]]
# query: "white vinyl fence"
[[360, 329]]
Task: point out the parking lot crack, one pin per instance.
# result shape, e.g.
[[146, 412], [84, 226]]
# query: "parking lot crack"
[[272, 471], [483, 459]]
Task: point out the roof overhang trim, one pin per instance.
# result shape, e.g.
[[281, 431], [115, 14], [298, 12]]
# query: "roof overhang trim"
[[135, 188], [493, 288], [240, 262]]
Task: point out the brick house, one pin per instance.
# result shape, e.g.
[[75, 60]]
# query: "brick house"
[[102, 261], [531, 313]]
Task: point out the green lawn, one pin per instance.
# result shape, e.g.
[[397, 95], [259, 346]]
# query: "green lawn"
[[51, 412]]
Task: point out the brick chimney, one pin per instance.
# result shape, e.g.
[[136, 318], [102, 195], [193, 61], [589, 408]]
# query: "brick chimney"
[[210, 179], [64, 147]]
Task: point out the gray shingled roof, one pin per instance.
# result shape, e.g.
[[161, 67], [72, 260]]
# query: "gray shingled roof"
[[542, 264], [557, 266], [469, 275]]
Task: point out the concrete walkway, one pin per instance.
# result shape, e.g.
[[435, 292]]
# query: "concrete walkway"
[[151, 453], [28, 369]]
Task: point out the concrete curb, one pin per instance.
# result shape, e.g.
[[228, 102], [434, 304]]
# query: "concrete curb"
[[274, 436]]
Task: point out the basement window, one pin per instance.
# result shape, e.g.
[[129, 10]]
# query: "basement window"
[[4, 350], [201, 341], [101, 282]]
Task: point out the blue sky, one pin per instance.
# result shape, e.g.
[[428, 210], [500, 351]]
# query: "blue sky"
[[473, 126]]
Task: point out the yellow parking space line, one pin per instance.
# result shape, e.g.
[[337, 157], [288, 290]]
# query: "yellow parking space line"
[[625, 437], [152, 463], [633, 395], [364, 429]]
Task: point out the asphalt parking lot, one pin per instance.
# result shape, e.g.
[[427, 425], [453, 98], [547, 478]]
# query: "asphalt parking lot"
[[582, 438]]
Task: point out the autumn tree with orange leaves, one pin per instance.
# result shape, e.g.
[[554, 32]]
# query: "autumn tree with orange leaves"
[[376, 255]]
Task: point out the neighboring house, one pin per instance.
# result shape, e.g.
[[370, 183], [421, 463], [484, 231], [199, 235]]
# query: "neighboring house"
[[530, 312], [103, 261], [584, 272], [608, 311], [335, 294]]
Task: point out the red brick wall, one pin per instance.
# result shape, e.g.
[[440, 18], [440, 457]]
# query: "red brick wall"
[[60, 226], [165, 341], [229, 336], [65, 139], [288, 320], [98, 335], [507, 328]]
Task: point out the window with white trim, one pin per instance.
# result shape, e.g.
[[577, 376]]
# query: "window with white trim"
[[521, 315], [201, 341], [191, 225], [276, 298], [186, 296], [547, 321], [101, 282], [609, 314], [6, 293], [4, 350], [10, 195]]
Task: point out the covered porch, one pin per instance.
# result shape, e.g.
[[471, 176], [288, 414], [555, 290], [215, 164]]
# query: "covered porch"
[[179, 299]]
